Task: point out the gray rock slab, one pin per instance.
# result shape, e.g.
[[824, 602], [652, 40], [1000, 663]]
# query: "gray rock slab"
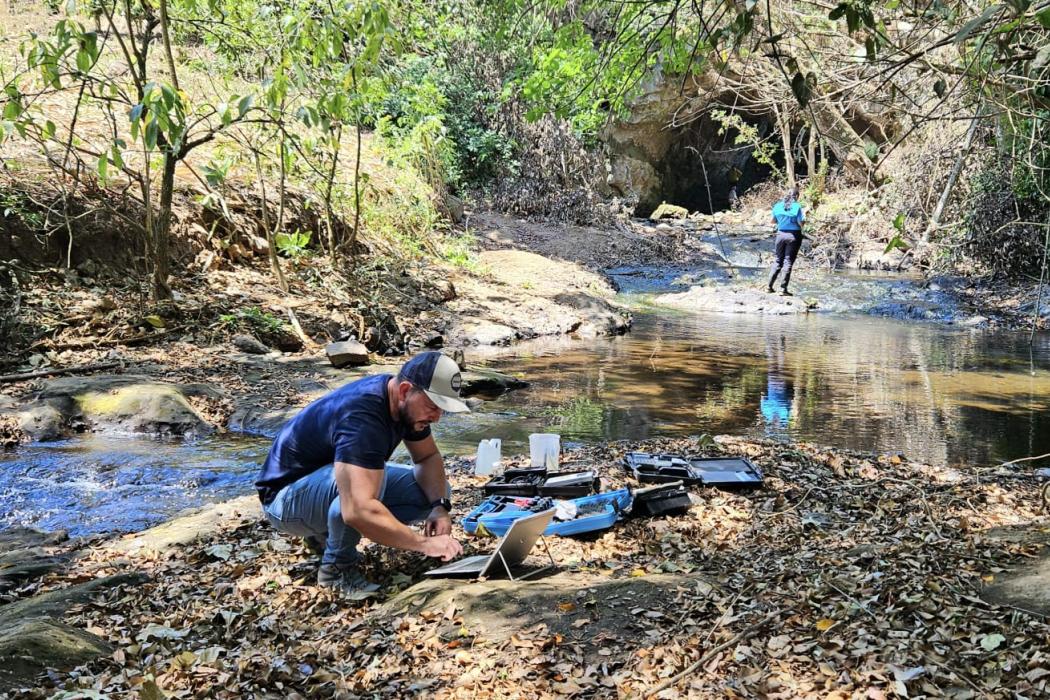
[[347, 353]]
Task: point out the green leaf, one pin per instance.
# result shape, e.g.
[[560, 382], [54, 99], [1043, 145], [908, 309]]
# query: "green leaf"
[[156, 322], [12, 110], [1044, 17], [871, 150], [939, 87], [83, 61], [838, 12], [991, 642], [49, 129], [898, 222], [852, 19], [243, 105], [103, 168], [871, 49], [895, 243], [976, 23], [800, 86], [151, 134]]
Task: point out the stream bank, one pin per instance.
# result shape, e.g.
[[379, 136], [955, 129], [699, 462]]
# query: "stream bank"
[[229, 607]]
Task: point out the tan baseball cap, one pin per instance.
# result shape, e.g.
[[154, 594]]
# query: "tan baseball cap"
[[439, 377]]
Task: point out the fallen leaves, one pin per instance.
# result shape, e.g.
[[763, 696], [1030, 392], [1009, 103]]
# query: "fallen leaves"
[[844, 578]]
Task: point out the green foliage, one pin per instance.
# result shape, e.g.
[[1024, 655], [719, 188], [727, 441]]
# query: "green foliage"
[[1002, 230], [16, 204], [458, 249], [816, 184], [762, 150], [254, 319], [293, 245]]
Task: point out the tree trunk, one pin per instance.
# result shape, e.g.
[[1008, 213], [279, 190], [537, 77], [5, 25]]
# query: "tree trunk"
[[811, 153], [953, 177], [784, 126], [275, 263], [162, 229], [333, 244], [845, 143]]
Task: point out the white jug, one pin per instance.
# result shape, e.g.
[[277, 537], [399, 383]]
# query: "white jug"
[[488, 456], [544, 449]]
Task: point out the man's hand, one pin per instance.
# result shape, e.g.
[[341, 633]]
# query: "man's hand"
[[439, 522], [442, 547]]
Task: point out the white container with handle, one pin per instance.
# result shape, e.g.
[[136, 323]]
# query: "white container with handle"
[[488, 456]]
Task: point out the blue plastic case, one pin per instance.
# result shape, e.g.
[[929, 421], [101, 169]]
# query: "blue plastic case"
[[495, 515]]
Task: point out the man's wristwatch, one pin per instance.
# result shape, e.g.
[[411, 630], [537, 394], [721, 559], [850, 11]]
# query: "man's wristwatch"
[[444, 503]]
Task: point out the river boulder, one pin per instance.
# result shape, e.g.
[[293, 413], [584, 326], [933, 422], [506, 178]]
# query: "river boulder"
[[114, 404]]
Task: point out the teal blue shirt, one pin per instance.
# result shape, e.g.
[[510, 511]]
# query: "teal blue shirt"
[[790, 217]]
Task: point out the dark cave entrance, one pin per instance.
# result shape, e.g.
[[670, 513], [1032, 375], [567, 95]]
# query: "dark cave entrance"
[[700, 159]]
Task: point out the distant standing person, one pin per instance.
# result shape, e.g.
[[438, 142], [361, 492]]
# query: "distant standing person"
[[788, 216]]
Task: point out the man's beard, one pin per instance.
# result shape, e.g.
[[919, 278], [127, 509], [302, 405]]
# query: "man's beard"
[[405, 418]]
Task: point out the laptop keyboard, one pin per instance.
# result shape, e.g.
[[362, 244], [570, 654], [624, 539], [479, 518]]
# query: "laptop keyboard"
[[469, 562]]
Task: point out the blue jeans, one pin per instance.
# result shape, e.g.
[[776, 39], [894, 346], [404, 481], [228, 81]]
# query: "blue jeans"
[[309, 507]]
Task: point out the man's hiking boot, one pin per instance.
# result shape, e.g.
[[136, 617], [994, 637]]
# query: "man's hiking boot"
[[770, 290], [786, 293], [347, 579]]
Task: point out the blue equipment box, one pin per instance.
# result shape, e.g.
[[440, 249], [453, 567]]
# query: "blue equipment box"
[[599, 512]]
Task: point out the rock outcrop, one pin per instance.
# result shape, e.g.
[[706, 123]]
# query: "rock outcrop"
[[113, 404]]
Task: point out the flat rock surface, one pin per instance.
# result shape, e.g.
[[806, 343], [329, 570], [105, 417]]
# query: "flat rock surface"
[[524, 295], [1026, 587], [735, 300]]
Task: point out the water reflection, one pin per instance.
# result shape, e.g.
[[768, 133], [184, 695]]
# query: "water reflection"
[[935, 393], [775, 405]]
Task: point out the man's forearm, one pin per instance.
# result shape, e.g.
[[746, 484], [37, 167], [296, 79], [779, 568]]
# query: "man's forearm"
[[375, 521], [430, 475]]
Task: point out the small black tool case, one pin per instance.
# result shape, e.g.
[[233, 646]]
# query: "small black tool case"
[[662, 499], [517, 482], [727, 472], [657, 468], [723, 472], [574, 484]]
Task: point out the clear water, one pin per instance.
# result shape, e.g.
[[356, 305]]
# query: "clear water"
[[104, 484]]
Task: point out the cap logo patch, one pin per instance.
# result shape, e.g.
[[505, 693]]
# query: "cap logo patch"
[[456, 381]]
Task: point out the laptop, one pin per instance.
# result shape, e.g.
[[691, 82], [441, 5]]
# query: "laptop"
[[510, 552]]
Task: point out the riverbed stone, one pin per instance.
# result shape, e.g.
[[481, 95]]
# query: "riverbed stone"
[[34, 638], [28, 647], [347, 353], [736, 300], [115, 404], [669, 211], [42, 422], [26, 554], [249, 344]]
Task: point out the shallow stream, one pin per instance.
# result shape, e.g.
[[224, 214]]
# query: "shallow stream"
[[938, 393]]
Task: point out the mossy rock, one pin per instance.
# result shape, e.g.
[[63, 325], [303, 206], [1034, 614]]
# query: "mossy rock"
[[669, 211], [114, 404], [28, 647]]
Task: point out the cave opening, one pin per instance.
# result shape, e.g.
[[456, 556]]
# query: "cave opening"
[[701, 165]]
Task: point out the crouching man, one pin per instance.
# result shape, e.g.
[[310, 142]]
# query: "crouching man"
[[327, 478]]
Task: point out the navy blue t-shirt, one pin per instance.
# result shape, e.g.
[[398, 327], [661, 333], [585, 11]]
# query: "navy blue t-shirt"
[[351, 424]]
